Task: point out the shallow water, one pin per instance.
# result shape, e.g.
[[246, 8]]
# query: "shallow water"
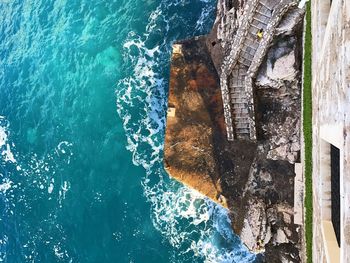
[[83, 88]]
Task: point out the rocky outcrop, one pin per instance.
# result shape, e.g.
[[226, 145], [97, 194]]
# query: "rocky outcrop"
[[254, 179], [194, 119], [279, 80], [256, 233]]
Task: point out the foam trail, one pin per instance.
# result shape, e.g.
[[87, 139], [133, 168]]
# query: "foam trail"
[[6, 156], [5, 147]]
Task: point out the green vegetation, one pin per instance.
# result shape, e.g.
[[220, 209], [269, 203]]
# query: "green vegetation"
[[307, 127]]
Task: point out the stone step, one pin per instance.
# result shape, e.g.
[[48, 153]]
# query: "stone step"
[[243, 136], [239, 105], [243, 72], [265, 14], [240, 73], [248, 49], [243, 69], [236, 79], [234, 96], [244, 62], [236, 86], [262, 18], [242, 130], [240, 117], [244, 119], [237, 115], [238, 89], [247, 56], [240, 110], [237, 82], [236, 74], [267, 4], [243, 125], [240, 77], [253, 26], [252, 40], [259, 23], [238, 100], [238, 124], [238, 92]]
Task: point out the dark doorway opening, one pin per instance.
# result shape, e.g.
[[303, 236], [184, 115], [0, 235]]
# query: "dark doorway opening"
[[335, 191]]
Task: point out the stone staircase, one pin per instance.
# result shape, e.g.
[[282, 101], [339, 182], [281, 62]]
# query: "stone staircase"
[[259, 21], [242, 63], [239, 100], [239, 103]]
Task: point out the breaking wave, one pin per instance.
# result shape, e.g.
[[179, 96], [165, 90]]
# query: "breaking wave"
[[188, 220]]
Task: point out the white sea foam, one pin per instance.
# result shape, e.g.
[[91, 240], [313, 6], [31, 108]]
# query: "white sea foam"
[[36, 168], [5, 185], [188, 220], [50, 188], [40, 173], [3, 244], [5, 148], [6, 156], [203, 19]]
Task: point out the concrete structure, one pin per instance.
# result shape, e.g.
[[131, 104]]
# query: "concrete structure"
[[331, 126]]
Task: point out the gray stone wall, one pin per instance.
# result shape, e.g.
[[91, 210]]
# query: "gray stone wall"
[[331, 112]]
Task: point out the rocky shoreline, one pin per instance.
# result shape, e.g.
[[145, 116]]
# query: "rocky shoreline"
[[253, 177]]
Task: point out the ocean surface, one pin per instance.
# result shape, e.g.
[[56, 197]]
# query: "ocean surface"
[[83, 92]]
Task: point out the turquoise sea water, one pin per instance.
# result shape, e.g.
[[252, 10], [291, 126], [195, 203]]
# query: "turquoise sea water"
[[83, 88]]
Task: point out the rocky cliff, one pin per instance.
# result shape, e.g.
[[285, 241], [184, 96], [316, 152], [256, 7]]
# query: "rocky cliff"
[[233, 123]]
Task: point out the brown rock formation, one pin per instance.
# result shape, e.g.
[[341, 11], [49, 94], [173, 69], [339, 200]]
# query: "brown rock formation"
[[254, 179]]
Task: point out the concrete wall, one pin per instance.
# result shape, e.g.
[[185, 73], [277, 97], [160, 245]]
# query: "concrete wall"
[[331, 122]]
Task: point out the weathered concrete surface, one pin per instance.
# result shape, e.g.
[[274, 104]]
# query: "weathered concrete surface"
[[253, 179], [331, 121]]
